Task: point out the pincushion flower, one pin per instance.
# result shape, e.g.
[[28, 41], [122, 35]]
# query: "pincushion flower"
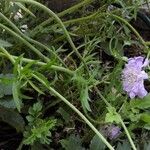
[[133, 77], [113, 132]]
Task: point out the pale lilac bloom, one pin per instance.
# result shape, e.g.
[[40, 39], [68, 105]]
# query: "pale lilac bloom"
[[113, 132], [133, 77]]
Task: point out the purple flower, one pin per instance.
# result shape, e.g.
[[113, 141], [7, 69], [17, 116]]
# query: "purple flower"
[[112, 131], [133, 77]]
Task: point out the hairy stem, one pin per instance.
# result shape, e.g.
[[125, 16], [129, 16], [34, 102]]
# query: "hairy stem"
[[67, 11], [51, 13], [25, 42], [121, 121], [29, 39], [26, 60], [65, 101], [77, 111]]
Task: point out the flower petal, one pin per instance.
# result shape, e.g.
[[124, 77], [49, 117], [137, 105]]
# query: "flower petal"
[[132, 95], [142, 93], [143, 75], [146, 63]]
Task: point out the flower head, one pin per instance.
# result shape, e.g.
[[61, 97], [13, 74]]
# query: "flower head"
[[133, 77], [112, 131]]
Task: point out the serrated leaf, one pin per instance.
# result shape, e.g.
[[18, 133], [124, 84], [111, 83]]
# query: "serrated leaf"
[[96, 144], [12, 118], [4, 43], [72, 143], [111, 116]]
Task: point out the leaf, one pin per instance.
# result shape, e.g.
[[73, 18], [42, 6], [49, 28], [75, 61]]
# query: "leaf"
[[12, 118], [145, 117], [8, 102], [35, 87], [6, 81], [124, 146], [40, 132], [64, 114], [16, 98], [37, 107], [147, 146], [141, 103], [41, 77], [147, 127], [4, 43], [84, 97], [111, 116], [97, 144], [72, 143]]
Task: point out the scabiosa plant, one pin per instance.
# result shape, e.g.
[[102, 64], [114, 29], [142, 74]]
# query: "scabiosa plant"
[[133, 77], [111, 131]]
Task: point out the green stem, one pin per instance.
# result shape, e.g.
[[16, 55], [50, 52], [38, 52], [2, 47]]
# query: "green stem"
[[26, 60], [77, 111], [25, 42], [67, 11], [71, 106], [91, 119], [122, 123], [65, 101], [128, 134], [77, 20], [51, 13], [29, 39], [7, 55], [130, 26]]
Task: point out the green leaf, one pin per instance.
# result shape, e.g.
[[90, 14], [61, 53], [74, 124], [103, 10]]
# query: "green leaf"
[[96, 144], [141, 103], [145, 117], [84, 97], [40, 76], [7, 102], [147, 146], [72, 143], [111, 116], [64, 114], [16, 98], [35, 87], [37, 107], [6, 81], [147, 127], [12, 118], [124, 146], [4, 43], [39, 132]]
